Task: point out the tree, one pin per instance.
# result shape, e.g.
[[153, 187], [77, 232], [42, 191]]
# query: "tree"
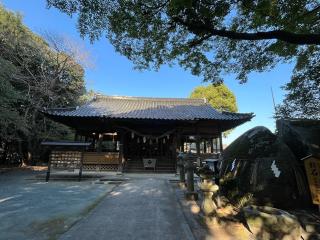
[[209, 37], [35, 74], [12, 124], [303, 92], [219, 96]]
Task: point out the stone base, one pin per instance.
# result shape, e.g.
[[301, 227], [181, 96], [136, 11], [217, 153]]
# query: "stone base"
[[271, 223], [191, 196]]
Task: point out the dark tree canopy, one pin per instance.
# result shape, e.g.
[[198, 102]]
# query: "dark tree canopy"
[[303, 92], [34, 74], [208, 37]]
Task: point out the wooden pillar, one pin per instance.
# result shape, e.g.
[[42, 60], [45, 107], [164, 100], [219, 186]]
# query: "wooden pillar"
[[94, 142], [211, 142], [220, 143], [198, 145], [76, 136], [121, 152], [80, 167], [174, 149], [198, 151], [161, 147], [99, 143], [49, 167], [125, 146], [178, 147], [182, 145]]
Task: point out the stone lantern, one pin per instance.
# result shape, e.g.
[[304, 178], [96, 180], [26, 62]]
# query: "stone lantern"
[[209, 189]]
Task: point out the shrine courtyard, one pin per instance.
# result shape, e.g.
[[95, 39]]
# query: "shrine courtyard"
[[135, 206], [104, 206]]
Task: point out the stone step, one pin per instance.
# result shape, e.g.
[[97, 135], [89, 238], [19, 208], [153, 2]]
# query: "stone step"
[[158, 164], [147, 171], [160, 168], [141, 165]]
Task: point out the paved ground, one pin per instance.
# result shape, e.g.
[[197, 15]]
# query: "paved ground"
[[30, 208], [145, 207]]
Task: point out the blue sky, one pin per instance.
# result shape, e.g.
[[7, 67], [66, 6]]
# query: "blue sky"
[[113, 74]]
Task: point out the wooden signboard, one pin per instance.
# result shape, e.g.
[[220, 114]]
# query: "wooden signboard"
[[312, 166], [149, 163]]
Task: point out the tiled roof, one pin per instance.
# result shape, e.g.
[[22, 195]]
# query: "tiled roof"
[[148, 108]]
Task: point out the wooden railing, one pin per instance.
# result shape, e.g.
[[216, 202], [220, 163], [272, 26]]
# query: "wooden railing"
[[100, 161], [100, 158]]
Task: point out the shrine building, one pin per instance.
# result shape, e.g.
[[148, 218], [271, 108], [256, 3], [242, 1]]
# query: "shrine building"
[[129, 132]]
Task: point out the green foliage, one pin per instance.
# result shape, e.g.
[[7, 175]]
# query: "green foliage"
[[203, 36], [209, 38], [33, 75], [230, 188], [218, 96], [11, 123], [303, 92]]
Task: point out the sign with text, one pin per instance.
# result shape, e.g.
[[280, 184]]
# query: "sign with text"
[[312, 165]]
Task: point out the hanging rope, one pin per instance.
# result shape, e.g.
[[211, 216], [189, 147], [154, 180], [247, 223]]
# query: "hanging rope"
[[148, 136]]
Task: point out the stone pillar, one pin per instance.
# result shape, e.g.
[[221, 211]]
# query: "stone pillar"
[[189, 167], [181, 170]]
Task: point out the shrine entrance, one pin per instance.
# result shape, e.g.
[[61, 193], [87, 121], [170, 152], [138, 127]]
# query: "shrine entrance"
[[145, 153]]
